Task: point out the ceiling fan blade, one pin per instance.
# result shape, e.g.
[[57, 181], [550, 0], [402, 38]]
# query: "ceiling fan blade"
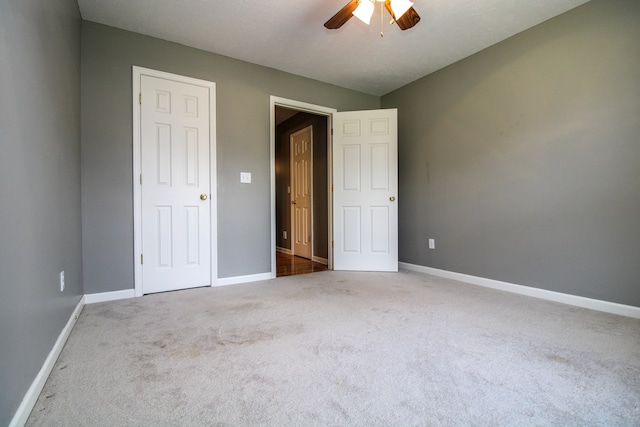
[[408, 19], [343, 15]]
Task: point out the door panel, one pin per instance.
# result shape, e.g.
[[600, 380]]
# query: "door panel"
[[380, 229], [351, 229], [365, 190], [175, 193]]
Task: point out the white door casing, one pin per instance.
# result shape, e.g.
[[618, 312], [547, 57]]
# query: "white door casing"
[[301, 192], [175, 230], [365, 179]]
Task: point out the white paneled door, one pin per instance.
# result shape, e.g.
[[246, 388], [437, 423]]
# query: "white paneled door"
[[301, 155], [175, 185], [365, 178]]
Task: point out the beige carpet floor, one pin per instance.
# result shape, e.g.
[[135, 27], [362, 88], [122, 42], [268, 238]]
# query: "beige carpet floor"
[[344, 349]]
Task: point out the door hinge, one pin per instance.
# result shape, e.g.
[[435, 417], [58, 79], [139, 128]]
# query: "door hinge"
[[332, 188], [141, 259], [331, 131], [333, 244], [140, 98]]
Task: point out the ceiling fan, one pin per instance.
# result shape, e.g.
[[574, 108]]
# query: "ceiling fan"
[[401, 11]]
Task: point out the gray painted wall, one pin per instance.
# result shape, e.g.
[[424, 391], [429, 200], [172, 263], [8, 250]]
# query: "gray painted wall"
[[243, 111], [523, 161], [39, 186], [320, 190]]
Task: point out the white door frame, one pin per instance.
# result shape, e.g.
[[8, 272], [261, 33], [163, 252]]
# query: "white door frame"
[[291, 197], [137, 72], [313, 109]]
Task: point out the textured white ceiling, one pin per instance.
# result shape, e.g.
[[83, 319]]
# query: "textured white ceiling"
[[289, 35]]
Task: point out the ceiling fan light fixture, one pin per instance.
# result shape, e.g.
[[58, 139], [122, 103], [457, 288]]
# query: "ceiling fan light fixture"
[[399, 7], [364, 11]]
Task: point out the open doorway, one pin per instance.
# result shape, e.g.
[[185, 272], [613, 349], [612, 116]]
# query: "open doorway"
[[366, 223], [302, 197]]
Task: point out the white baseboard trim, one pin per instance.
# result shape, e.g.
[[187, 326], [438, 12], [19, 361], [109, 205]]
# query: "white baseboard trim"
[[578, 301], [283, 250], [109, 296], [225, 281], [31, 397], [320, 260]]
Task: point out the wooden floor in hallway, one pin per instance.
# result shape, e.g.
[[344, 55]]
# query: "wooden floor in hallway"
[[290, 265]]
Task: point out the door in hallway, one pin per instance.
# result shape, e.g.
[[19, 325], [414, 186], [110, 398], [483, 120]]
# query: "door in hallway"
[[301, 196]]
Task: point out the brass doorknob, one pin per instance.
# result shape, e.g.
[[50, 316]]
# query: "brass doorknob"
[[203, 197], [293, 202], [393, 199]]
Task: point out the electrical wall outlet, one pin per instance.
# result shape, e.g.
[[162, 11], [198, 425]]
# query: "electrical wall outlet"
[[432, 243], [62, 281], [284, 235]]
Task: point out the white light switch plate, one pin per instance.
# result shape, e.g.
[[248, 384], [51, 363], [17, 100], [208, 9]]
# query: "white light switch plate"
[[245, 177]]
